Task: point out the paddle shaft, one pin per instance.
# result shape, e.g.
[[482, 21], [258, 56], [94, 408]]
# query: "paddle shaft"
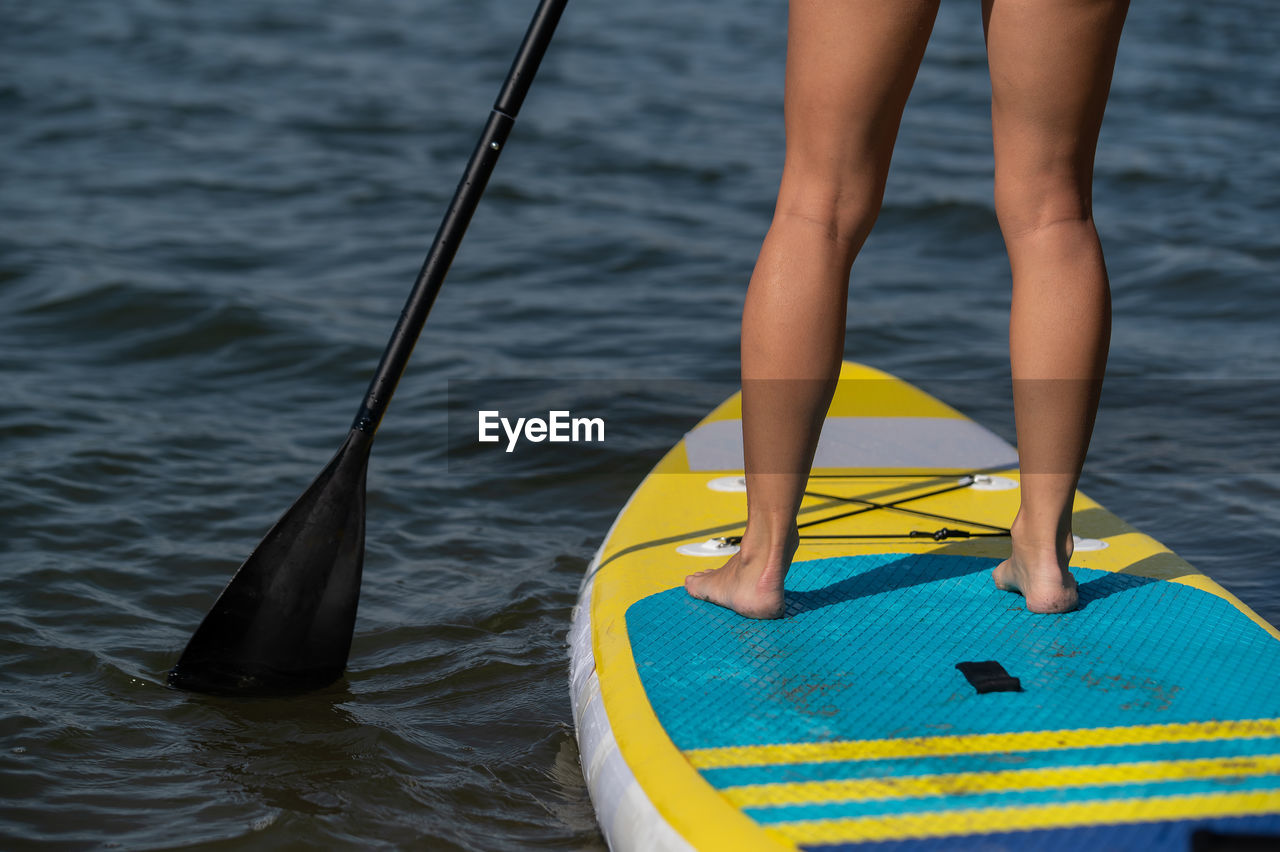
[[458, 216]]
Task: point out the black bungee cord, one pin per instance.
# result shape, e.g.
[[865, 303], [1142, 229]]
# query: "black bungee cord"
[[940, 534]]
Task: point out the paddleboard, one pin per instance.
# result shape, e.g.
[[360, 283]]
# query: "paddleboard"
[[904, 702]]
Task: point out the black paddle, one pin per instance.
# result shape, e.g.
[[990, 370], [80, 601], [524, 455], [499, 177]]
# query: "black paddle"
[[284, 622]]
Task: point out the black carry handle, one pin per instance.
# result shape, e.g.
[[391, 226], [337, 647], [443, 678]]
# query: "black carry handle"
[[458, 216]]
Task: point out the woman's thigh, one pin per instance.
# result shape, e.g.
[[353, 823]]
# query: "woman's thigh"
[[850, 67], [1051, 63]]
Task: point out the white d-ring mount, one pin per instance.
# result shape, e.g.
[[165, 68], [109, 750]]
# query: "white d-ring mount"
[[729, 484], [710, 547], [1086, 544], [986, 482]]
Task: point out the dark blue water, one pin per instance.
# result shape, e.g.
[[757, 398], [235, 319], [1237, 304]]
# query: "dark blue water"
[[210, 215]]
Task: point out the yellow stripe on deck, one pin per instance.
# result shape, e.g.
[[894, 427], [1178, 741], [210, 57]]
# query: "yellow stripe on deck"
[[987, 820], [771, 755], [965, 783]]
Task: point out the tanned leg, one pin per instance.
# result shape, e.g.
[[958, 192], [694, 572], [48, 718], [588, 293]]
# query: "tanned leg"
[[1051, 63], [850, 67]]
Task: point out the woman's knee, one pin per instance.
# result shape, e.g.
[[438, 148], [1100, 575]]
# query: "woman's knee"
[[1026, 203], [843, 207]]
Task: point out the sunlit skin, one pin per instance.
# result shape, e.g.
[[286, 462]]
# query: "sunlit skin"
[[850, 67]]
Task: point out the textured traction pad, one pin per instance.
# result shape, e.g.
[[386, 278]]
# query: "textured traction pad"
[[848, 720]]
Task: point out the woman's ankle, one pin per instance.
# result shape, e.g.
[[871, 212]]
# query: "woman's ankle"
[[1043, 542], [770, 543], [771, 552]]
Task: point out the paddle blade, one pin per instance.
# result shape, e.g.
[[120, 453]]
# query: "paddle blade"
[[284, 622]]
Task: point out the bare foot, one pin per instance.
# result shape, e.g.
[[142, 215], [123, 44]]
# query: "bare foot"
[[749, 586], [1040, 578]]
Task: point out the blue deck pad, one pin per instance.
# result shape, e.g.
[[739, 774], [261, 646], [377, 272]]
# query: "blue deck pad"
[[1134, 837], [869, 646]]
